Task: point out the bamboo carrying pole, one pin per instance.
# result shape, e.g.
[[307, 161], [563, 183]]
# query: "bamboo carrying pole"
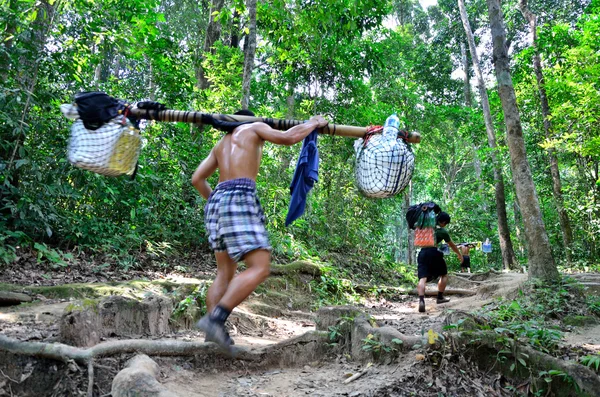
[[279, 124]]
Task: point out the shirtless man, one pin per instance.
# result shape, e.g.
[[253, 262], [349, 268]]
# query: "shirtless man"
[[234, 218], [465, 249]]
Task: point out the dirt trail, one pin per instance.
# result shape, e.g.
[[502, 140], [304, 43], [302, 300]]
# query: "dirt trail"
[[406, 375], [326, 377]]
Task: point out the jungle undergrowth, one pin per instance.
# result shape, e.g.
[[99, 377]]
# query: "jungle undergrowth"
[[537, 315]]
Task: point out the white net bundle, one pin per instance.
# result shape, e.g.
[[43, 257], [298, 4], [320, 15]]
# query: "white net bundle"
[[384, 164], [111, 150]]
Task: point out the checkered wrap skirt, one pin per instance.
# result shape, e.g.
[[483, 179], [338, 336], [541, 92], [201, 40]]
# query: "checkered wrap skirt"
[[234, 218]]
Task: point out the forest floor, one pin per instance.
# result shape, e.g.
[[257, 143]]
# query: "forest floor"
[[274, 314]]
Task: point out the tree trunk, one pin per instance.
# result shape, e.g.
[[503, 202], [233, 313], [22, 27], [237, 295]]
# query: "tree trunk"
[[467, 84], [469, 104], [541, 262], [235, 30], [565, 224], [410, 249], [291, 105], [213, 32], [520, 240], [249, 54], [509, 258]]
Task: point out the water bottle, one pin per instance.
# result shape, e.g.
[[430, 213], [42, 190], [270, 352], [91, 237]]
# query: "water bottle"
[[391, 127], [487, 246]]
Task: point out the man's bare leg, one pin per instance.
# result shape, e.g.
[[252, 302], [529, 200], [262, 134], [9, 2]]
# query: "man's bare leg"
[[239, 288], [441, 288], [259, 267], [226, 268], [421, 292]]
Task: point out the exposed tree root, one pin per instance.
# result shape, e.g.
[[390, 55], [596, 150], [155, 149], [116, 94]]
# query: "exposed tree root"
[[304, 267], [388, 336], [65, 353], [62, 352], [462, 278], [13, 298], [90, 390], [587, 381]]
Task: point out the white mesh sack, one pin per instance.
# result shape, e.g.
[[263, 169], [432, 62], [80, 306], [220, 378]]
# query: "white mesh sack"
[[111, 150], [384, 165]]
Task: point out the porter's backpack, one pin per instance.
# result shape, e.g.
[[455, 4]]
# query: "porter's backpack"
[[414, 215], [421, 217]]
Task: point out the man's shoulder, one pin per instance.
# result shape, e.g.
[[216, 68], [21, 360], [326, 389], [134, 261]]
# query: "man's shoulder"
[[254, 126], [442, 231], [249, 132]]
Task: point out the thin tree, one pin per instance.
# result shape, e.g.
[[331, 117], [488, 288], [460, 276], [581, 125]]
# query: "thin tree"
[[565, 224], [213, 33], [410, 250], [541, 262], [469, 104], [509, 258], [466, 82], [250, 50], [235, 28]]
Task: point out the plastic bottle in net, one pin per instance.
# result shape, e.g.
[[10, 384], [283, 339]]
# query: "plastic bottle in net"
[[385, 164]]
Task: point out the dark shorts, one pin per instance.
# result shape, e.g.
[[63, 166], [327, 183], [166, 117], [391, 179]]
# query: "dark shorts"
[[234, 218], [466, 261], [431, 264]]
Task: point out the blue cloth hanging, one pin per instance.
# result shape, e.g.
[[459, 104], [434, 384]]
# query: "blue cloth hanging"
[[305, 176]]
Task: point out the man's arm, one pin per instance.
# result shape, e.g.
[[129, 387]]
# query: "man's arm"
[[291, 136], [206, 168], [455, 249]]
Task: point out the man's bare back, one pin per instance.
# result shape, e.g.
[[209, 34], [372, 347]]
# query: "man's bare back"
[[465, 249], [238, 154]]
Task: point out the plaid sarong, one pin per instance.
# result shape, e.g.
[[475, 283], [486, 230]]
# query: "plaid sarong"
[[234, 218]]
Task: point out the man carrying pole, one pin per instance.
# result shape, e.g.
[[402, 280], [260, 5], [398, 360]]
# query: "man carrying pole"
[[235, 220], [431, 263]]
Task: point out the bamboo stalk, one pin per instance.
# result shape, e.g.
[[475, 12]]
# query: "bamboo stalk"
[[278, 124]]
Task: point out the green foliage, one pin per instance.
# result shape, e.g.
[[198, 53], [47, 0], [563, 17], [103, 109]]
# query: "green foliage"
[[532, 316], [372, 344], [591, 360], [334, 333], [331, 290], [193, 306], [339, 334], [548, 377], [593, 304], [9, 241], [56, 258]]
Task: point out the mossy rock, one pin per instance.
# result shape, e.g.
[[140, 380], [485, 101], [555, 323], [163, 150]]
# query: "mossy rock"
[[84, 290], [579, 321], [305, 267], [134, 289], [83, 305]]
